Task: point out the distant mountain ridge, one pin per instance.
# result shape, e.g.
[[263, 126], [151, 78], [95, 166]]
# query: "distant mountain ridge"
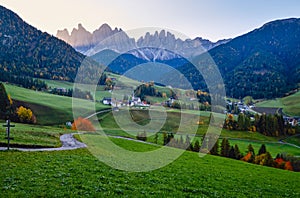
[[264, 63], [117, 40]]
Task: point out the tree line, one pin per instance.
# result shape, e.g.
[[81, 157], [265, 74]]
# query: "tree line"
[[266, 124], [210, 144]]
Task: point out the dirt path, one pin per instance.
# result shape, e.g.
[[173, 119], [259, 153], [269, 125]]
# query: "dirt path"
[[68, 143]]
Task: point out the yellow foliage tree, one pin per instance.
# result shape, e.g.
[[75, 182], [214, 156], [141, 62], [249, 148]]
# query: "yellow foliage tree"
[[24, 114], [10, 100]]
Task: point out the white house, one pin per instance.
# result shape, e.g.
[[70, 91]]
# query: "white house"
[[106, 101]]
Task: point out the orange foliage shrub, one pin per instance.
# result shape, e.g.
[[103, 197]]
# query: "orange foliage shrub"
[[82, 124], [230, 117], [288, 166], [247, 157]]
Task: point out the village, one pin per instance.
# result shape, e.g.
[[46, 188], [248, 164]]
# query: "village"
[[231, 107]]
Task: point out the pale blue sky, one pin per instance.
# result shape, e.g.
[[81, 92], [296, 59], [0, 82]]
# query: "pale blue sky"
[[212, 19]]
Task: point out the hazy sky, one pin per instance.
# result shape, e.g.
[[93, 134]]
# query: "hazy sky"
[[212, 19]]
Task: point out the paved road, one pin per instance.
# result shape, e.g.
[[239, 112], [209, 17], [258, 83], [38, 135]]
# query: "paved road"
[[68, 143]]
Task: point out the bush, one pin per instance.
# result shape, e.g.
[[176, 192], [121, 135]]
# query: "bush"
[[25, 115], [82, 124]]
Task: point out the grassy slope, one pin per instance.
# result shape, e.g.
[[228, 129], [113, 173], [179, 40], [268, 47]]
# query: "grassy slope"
[[290, 104], [273, 147], [256, 139], [293, 140], [33, 135], [77, 174], [58, 84], [49, 109]]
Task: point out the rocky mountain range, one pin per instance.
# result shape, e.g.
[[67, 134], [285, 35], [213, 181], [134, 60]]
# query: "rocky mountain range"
[[264, 63], [149, 47]]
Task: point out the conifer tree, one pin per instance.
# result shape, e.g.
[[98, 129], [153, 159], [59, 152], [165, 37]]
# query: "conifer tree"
[[156, 138], [238, 154], [215, 149], [196, 146], [251, 149], [241, 121], [225, 147], [247, 123], [5, 104], [231, 153], [262, 149], [188, 146], [268, 161]]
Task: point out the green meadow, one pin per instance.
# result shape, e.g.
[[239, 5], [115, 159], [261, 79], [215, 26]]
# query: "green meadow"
[[78, 173], [290, 104], [50, 109]]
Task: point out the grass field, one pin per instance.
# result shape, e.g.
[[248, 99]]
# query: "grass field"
[[79, 174], [290, 104], [241, 138], [107, 121], [274, 148], [50, 109], [293, 140], [58, 84], [27, 135]]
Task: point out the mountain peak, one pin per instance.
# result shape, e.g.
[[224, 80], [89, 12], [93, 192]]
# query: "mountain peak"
[[105, 26], [80, 26]]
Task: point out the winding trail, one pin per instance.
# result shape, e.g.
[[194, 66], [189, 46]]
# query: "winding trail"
[[104, 111], [68, 143]]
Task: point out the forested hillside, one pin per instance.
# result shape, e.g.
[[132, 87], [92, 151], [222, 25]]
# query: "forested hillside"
[[26, 51], [264, 63]]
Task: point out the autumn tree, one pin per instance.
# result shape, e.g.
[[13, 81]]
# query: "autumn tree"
[[82, 124], [230, 123], [264, 159], [25, 115], [250, 156], [109, 84]]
